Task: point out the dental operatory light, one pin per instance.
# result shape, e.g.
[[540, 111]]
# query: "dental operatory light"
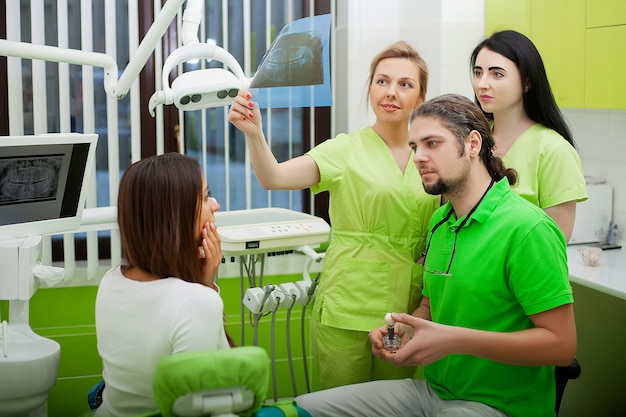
[[190, 91], [203, 88]]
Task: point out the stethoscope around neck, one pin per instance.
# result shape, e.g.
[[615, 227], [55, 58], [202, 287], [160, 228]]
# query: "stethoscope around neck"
[[456, 232]]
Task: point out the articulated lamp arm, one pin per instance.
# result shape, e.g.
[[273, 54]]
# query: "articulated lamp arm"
[[56, 54], [112, 86]]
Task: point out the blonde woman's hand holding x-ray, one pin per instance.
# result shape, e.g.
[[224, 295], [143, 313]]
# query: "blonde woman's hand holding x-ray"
[[294, 174]]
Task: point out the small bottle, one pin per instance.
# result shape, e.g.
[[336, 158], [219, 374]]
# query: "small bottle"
[[391, 342]]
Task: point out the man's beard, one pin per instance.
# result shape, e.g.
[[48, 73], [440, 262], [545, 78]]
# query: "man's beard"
[[446, 186], [438, 188]]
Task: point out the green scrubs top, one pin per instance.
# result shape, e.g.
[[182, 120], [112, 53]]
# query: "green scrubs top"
[[506, 263], [379, 217], [549, 171]]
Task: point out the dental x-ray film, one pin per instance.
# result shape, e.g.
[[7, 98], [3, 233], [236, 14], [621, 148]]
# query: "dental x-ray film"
[[295, 70]]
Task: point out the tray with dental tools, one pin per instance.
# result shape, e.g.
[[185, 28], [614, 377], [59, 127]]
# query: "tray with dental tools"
[[268, 229]]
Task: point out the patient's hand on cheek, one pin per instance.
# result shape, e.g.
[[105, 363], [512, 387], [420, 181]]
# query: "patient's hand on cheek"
[[210, 253]]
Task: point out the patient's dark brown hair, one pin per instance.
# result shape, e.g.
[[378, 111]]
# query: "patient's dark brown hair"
[[158, 204]]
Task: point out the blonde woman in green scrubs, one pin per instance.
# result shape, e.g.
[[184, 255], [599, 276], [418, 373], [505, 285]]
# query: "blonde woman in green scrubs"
[[379, 213], [531, 135]]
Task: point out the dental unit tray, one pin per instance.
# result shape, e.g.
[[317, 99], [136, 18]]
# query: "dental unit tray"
[[268, 229]]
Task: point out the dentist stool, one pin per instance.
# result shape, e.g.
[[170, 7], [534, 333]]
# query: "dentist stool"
[[562, 375]]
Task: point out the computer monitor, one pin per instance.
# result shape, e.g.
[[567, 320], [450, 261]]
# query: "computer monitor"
[[43, 182]]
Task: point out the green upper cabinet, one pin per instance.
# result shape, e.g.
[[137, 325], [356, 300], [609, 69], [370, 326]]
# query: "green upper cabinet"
[[605, 68], [581, 42], [558, 31], [605, 51], [507, 14], [606, 13]]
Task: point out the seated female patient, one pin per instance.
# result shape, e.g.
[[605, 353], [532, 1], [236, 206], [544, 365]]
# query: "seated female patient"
[[162, 299]]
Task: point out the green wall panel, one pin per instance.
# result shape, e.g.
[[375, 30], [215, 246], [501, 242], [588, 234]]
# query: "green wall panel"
[[68, 398], [79, 355], [58, 307]]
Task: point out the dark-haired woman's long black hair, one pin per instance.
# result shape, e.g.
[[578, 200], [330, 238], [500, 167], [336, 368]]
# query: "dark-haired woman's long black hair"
[[539, 103]]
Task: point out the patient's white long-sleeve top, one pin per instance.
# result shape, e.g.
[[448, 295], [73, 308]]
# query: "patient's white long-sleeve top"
[[139, 323]]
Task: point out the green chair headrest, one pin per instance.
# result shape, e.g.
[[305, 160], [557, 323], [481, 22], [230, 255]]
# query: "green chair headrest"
[[182, 373]]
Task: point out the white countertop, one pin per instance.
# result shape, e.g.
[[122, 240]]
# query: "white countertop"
[[609, 277]]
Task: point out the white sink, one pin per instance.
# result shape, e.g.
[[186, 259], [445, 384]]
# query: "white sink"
[[28, 365]]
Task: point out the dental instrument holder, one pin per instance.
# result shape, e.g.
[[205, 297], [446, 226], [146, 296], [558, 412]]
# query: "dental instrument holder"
[[253, 233], [250, 234]]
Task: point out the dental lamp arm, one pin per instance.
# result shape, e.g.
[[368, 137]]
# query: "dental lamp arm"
[[308, 251], [113, 87], [150, 41], [207, 51], [312, 256], [191, 22], [56, 54]]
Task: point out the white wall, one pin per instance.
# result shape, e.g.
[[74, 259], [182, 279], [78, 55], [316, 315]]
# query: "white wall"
[[444, 32], [601, 139]]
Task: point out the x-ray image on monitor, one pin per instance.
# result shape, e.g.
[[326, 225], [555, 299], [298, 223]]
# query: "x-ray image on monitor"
[[26, 179], [43, 182]]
